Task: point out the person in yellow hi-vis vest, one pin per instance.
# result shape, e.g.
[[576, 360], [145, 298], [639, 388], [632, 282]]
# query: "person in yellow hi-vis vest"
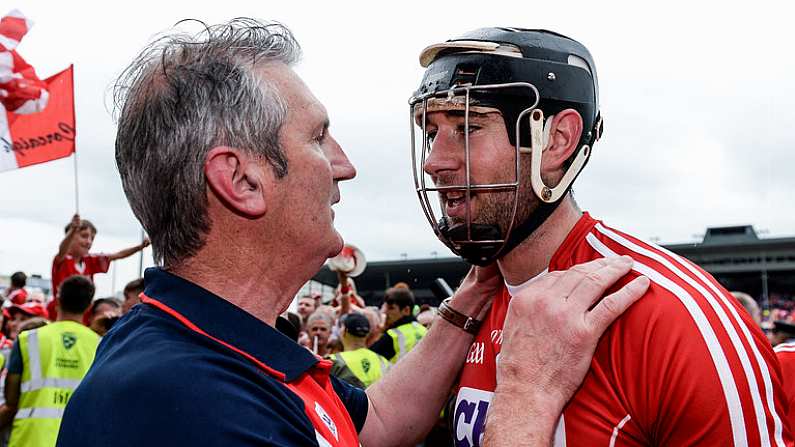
[[357, 365], [45, 366], [403, 331]]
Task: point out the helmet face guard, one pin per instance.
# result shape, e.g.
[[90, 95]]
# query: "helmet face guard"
[[478, 243]]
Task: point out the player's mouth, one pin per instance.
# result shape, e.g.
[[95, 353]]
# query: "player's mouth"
[[455, 203]]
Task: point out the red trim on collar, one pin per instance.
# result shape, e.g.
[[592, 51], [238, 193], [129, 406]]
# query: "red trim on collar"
[[190, 325]]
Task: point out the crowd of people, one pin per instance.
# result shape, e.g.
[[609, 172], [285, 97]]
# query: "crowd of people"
[[564, 332], [48, 343]]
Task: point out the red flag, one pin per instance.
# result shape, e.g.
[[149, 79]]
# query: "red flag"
[[45, 135]]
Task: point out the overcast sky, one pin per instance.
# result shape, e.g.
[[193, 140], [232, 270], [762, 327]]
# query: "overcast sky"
[[698, 101]]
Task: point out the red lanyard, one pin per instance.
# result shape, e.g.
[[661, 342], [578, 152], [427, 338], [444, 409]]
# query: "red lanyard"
[[333, 424]]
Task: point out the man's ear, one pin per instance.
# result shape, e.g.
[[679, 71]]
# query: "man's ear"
[[564, 140], [239, 180]]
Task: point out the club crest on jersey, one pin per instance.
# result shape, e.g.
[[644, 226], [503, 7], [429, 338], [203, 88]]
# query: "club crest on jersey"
[[326, 420]]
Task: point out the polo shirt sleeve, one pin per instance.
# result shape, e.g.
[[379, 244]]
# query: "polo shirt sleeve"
[[15, 360], [354, 399], [384, 346]]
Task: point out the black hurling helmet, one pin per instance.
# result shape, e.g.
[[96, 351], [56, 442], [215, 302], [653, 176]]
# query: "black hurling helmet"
[[527, 76]]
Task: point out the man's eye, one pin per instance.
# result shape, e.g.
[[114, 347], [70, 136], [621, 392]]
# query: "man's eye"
[[472, 128]]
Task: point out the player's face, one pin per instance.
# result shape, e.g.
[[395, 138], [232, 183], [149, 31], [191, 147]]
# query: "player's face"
[[82, 242], [316, 163], [491, 160]]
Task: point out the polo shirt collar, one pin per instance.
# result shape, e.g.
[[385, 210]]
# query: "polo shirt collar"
[[229, 323]]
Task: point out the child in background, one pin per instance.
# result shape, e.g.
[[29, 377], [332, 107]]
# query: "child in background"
[[73, 257]]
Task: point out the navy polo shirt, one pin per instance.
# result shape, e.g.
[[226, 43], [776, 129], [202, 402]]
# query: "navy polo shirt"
[[154, 381]]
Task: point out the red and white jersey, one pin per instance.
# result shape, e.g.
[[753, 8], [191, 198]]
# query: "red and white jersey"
[[786, 358], [684, 366]]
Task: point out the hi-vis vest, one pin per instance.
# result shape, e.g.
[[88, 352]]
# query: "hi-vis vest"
[[405, 337], [55, 358], [365, 364]]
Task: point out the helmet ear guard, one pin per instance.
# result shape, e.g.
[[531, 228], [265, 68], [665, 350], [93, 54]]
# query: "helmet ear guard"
[[539, 137]]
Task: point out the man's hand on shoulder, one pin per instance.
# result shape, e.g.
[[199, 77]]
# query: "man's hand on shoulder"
[[549, 337]]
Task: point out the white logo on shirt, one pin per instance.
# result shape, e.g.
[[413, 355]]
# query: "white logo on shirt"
[[326, 420], [496, 336], [476, 353]]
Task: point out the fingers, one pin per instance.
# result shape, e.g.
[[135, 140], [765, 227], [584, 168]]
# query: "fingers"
[[613, 305], [592, 285], [568, 280]]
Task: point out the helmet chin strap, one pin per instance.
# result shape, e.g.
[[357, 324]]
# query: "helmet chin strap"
[[550, 199]]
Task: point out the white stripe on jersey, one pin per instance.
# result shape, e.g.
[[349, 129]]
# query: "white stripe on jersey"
[[736, 342], [713, 345], [785, 347], [617, 428], [560, 433]]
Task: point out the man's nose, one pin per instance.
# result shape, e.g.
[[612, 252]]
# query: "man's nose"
[[446, 154], [341, 166]]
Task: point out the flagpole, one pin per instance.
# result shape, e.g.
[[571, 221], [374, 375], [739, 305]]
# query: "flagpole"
[[74, 118], [77, 193]]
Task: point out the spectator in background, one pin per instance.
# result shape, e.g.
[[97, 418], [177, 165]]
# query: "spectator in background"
[[306, 307], [53, 359], [17, 294], [402, 330], [18, 314], [73, 256], [102, 315], [425, 317], [131, 292], [376, 324], [750, 305], [33, 323], [357, 365], [289, 324], [783, 332], [318, 327]]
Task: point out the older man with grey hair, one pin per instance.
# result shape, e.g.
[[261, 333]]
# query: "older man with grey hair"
[[227, 160]]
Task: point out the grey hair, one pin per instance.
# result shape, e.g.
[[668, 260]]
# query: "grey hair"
[[183, 95], [320, 315]]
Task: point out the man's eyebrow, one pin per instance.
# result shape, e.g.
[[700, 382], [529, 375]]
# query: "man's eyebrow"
[[472, 114]]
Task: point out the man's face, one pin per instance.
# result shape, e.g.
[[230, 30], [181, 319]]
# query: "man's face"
[[17, 318], [321, 330], [316, 163], [81, 245], [492, 160], [104, 309], [306, 305], [393, 312]]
